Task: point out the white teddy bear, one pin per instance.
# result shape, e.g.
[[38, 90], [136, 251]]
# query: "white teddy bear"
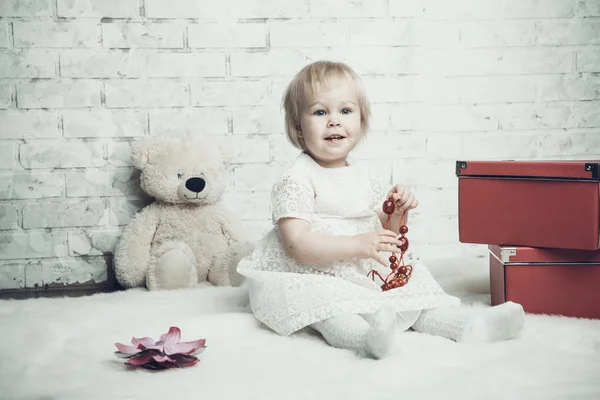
[[184, 236]]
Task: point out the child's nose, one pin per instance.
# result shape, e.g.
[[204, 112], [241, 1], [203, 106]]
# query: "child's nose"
[[333, 122]]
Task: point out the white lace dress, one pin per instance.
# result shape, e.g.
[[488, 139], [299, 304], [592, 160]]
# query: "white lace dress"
[[286, 295]]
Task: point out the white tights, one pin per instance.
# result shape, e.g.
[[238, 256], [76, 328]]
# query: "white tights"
[[372, 335]]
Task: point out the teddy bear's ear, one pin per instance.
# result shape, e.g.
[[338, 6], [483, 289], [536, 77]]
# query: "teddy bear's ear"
[[141, 153]]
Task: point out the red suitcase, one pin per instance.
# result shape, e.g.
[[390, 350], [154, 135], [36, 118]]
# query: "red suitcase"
[[546, 281], [551, 204]]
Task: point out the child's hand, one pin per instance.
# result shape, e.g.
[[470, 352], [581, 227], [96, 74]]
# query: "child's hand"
[[404, 199], [369, 245]]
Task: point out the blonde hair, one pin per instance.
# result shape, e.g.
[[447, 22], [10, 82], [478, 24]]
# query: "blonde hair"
[[310, 79]]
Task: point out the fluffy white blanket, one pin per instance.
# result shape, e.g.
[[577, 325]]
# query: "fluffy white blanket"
[[63, 349]]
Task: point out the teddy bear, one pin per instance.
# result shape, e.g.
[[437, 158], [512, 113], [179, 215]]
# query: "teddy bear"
[[185, 236]]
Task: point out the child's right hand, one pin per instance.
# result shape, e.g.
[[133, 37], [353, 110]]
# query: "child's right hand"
[[369, 245]]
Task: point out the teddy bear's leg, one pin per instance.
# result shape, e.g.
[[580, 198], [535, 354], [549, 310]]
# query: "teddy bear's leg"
[[225, 272], [172, 267]]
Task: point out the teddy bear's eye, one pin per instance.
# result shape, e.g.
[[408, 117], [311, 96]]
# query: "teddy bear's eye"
[[180, 175]]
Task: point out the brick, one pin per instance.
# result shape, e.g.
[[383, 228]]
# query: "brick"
[[443, 118], [450, 62], [389, 90], [7, 156], [569, 87], [5, 95], [28, 124], [308, 34], [208, 120], [348, 8], [32, 245], [66, 272], [526, 116], [422, 172], [445, 232], [12, 276], [487, 9], [250, 177], [282, 150], [146, 93], [98, 8], [98, 182], [64, 214], [381, 60], [475, 89], [436, 34], [123, 209], [588, 114], [110, 64], [26, 185], [258, 119], [569, 33], [275, 62], [257, 205], [382, 33], [249, 150], [184, 9], [255, 230], [4, 37], [119, 154], [61, 155], [588, 61], [437, 201], [94, 242], [56, 34], [588, 8], [227, 35], [232, 9], [382, 145], [8, 216], [42, 94], [149, 35], [406, 8], [175, 65], [104, 123], [27, 64], [230, 93], [19, 8], [498, 33], [380, 117]]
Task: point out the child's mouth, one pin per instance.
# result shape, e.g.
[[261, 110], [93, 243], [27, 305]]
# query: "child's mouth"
[[334, 138]]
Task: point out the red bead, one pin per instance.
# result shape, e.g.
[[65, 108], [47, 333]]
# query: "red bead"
[[393, 259], [403, 269], [388, 207], [404, 247], [393, 265], [403, 229]]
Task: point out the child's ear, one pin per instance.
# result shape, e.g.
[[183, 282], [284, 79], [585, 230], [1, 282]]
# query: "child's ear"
[[298, 127]]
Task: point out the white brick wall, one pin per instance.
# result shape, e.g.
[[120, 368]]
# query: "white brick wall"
[[81, 80]]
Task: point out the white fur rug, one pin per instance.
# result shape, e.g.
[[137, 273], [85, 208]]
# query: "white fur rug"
[[63, 349]]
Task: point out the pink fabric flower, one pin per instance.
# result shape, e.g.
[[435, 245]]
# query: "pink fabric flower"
[[167, 352]]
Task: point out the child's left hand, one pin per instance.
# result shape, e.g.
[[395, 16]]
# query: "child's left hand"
[[404, 199]]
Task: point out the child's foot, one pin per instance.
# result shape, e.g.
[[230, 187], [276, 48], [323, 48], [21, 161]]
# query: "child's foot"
[[501, 322], [380, 336]]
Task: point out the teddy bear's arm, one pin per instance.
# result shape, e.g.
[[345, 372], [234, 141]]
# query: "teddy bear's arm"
[[132, 254]]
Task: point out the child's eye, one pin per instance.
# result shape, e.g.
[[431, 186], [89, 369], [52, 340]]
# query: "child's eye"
[[319, 113], [346, 111]]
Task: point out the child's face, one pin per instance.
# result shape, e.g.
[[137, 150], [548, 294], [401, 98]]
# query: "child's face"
[[330, 123]]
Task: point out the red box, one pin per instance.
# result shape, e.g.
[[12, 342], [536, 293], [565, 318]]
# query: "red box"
[[554, 204], [546, 281]]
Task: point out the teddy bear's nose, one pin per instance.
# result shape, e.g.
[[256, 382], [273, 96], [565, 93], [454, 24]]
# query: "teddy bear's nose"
[[195, 184]]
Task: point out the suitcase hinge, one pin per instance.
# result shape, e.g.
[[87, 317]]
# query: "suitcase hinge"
[[594, 168]]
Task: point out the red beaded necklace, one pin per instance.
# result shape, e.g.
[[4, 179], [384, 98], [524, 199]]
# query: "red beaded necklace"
[[400, 273]]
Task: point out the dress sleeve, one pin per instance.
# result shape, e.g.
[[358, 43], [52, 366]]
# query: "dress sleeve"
[[379, 191], [291, 197]]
